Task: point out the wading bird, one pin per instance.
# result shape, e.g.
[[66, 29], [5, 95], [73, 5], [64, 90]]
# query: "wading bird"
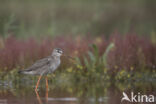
[[45, 66]]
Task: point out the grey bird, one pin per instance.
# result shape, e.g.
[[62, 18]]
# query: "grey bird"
[[45, 66]]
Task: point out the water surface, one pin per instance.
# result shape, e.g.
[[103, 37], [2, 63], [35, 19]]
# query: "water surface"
[[79, 93]]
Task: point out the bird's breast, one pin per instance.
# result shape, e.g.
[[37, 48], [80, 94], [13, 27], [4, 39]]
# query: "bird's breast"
[[54, 65]]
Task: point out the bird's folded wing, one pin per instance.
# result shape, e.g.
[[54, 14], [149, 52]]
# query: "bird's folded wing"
[[38, 64]]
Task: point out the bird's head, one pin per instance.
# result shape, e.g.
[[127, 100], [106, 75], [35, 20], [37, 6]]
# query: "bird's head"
[[57, 52]]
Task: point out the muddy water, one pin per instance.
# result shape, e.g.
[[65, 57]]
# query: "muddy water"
[[86, 93]]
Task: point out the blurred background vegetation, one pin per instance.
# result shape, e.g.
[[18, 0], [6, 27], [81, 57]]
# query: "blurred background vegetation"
[[113, 43], [25, 18], [113, 34]]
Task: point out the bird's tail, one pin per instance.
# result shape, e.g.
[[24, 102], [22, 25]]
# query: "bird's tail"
[[21, 72], [24, 72]]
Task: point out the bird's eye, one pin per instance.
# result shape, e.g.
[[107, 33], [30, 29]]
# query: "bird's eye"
[[59, 51]]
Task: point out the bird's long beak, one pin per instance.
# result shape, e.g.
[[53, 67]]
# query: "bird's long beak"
[[69, 57]]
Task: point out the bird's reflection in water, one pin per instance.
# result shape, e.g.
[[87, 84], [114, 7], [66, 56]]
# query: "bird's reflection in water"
[[46, 94], [38, 97]]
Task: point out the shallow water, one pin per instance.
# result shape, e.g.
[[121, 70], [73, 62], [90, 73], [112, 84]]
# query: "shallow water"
[[82, 93]]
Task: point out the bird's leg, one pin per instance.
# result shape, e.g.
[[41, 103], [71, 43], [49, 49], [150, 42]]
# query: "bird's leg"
[[47, 89], [38, 97], [38, 82], [47, 82]]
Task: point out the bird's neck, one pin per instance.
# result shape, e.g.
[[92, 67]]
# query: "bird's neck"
[[56, 57]]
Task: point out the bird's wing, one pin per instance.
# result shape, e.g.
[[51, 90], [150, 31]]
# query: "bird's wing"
[[40, 63]]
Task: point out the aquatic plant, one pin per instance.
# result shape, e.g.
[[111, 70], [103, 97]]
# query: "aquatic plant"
[[129, 52]]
